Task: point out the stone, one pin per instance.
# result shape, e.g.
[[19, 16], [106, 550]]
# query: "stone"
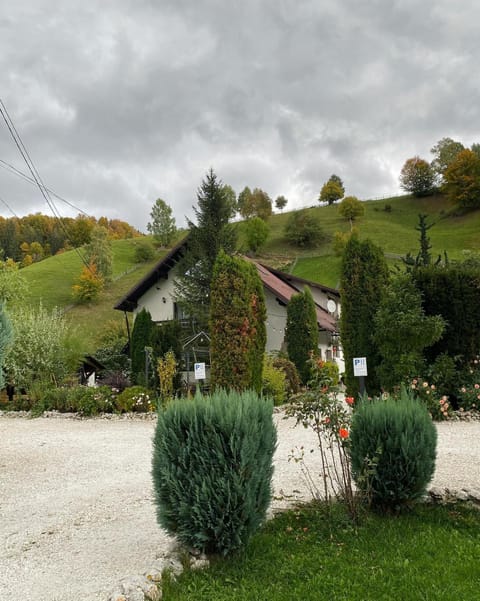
[[474, 495], [462, 495]]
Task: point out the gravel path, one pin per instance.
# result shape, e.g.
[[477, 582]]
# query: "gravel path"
[[76, 500]]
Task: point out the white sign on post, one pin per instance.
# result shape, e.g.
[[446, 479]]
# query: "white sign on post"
[[360, 366], [199, 369]]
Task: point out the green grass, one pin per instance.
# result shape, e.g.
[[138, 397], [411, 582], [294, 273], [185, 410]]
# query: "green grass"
[[429, 554], [51, 280], [393, 230]]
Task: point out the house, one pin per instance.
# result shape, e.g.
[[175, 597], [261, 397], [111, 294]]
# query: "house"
[[156, 293], [89, 369]]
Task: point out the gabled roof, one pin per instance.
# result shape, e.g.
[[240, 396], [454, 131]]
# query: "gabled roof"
[[283, 291], [295, 280], [280, 284], [160, 270]]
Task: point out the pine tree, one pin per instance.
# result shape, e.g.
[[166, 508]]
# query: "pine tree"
[[301, 333], [207, 237]]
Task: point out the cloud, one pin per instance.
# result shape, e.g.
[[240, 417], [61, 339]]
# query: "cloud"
[[137, 101]]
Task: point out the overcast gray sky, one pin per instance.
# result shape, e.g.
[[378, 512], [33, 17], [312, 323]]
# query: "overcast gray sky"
[[120, 102]]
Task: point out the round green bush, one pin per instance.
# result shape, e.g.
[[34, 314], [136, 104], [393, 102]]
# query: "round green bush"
[[135, 398], [392, 450], [212, 468], [292, 379]]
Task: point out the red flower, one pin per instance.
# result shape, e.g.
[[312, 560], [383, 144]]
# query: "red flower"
[[343, 432], [350, 400]]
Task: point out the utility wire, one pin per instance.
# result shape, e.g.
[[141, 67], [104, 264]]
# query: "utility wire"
[[18, 173], [35, 175], [9, 208]]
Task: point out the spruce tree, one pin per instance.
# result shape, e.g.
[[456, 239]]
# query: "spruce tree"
[[210, 234], [364, 277], [237, 325], [301, 332]]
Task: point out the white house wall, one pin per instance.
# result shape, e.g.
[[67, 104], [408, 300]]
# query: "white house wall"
[[276, 322], [153, 301], [321, 298]]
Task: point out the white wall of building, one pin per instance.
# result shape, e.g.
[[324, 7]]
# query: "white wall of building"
[[276, 322], [159, 300]]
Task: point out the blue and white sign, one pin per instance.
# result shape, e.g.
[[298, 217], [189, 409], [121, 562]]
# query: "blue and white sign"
[[199, 369], [360, 366]]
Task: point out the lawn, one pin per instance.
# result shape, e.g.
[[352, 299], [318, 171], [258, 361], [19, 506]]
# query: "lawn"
[[428, 554], [393, 230]]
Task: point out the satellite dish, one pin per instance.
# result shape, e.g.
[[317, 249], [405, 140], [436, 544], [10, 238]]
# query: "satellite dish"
[[331, 306]]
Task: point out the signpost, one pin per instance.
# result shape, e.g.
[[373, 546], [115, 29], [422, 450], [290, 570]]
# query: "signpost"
[[360, 371], [199, 370]]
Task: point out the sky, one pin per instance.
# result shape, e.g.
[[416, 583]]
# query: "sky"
[[121, 102]]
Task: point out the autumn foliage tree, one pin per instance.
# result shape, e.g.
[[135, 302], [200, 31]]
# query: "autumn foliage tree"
[[462, 180], [445, 152], [351, 208], [89, 285], [254, 204], [332, 190], [237, 325], [99, 253], [417, 177]]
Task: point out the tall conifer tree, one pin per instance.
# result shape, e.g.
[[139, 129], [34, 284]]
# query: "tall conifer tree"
[[302, 332], [237, 325], [363, 279], [210, 234]]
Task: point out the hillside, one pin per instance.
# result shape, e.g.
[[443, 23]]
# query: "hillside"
[[50, 281], [393, 230]]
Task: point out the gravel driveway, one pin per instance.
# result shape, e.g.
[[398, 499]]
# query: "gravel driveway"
[[76, 499]]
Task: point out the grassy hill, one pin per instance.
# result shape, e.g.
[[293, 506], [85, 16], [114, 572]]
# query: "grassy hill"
[[51, 280], [394, 230]]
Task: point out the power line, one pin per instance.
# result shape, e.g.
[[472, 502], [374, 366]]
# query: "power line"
[[9, 208], [35, 175], [18, 173]]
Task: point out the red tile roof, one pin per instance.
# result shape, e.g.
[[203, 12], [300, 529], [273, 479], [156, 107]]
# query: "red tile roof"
[[284, 292]]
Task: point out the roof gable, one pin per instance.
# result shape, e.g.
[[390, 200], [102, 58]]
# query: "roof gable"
[[160, 270]]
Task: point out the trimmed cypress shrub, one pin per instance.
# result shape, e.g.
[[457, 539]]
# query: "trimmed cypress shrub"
[[212, 468], [141, 337], [237, 325], [301, 333], [362, 282], [399, 440]]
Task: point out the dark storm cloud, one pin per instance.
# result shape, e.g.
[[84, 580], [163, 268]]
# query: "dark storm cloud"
[[136, 100]]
